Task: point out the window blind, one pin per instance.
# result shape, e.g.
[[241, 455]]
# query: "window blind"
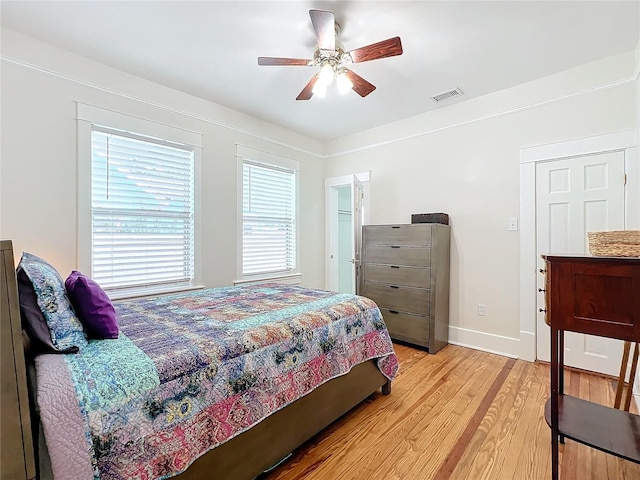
[[142, 211], [269, 218]]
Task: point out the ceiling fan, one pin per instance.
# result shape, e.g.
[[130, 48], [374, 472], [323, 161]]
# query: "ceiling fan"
[[333, 60]]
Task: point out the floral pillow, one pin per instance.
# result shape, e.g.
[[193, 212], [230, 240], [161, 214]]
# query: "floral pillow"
[[41, 284]]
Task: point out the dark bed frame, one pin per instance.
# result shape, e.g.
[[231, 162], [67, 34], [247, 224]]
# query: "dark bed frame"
[[242, 457]]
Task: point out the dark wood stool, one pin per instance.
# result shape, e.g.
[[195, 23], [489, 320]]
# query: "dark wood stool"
[[623, 374]]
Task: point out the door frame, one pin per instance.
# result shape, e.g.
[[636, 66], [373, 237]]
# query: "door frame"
[[331, 218], [625, 141]]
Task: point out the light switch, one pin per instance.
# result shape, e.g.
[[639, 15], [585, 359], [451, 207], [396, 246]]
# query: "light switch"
[[512, 224]]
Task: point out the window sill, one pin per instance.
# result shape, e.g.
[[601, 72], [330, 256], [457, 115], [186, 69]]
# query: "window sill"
[[288, 279], [145, 293]]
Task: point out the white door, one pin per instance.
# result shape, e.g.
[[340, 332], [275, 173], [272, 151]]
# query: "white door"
[[344, 232], [575, 196]]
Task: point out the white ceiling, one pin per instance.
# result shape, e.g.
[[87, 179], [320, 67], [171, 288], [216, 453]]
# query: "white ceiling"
[[210, 48]]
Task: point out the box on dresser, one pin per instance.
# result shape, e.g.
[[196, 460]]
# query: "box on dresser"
[[430, 218], [405, 270]]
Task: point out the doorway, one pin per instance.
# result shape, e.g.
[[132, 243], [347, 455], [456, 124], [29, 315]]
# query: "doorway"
[[345, 240], [588, 158], [345, 214]]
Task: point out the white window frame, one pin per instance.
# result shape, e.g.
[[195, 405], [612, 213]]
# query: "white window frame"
[[258, 156], [87, 117]]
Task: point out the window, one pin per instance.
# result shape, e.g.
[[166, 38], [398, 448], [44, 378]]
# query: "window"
[[142, 211], [269, 217]]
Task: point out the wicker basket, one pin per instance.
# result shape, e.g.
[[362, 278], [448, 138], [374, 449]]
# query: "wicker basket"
[[619, 243]]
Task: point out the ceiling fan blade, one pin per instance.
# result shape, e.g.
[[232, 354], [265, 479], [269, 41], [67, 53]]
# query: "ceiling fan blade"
[[307, 91], [282, 61], [386, 48], [325, 27], [360, 85]]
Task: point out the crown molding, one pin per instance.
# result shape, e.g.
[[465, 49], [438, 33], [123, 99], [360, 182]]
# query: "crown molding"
[[605, 86], [29, 66], [84, 83]]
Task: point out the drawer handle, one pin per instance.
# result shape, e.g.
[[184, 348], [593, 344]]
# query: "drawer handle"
[[393, 286], [395, 227], [395, 246], [394, 312], [394, 266]]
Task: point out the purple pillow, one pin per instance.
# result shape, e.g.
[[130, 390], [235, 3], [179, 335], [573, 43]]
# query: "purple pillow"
[[92, 305]]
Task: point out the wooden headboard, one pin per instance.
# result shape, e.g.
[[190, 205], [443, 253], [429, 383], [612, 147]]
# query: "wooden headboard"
[[17, 460]]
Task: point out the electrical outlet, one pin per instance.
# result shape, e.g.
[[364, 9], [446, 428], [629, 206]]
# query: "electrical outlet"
[[482, 309], [512, 224]]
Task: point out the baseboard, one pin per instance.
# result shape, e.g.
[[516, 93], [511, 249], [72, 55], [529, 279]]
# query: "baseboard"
[[487, 342]]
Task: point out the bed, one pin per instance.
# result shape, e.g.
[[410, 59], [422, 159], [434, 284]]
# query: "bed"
[[284, 382]]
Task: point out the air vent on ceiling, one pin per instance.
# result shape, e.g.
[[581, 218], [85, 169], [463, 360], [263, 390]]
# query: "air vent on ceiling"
[[445, 95]]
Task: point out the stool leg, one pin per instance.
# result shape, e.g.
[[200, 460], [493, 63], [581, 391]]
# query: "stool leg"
[[632, 378], [623, 374]]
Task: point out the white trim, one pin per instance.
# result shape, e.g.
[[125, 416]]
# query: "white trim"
[[289, 279], [343, 180], [266, 157], [528, 264], [340, 181], [363, 176], [486, 342], [529, 156], [152, 128], [581, 146], [146, 293], [632, 168]]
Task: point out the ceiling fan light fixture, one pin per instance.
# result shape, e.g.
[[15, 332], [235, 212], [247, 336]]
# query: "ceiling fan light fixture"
[[320, 88], [326, 74], [343, 82]]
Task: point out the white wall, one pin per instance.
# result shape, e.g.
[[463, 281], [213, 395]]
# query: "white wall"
[[38, 202], [638, 89], [464, 160]]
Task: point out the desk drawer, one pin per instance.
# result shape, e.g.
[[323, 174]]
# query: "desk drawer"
[[398, 275], [406, 327], [398, 255], [398, 235], [403, 299]]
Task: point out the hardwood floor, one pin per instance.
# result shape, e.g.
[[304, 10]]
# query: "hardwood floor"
[[459, 414]]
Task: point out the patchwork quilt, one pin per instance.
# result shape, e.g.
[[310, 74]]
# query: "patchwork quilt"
[[192, 370]]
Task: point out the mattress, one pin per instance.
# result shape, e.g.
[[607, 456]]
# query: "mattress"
[[191, 371]]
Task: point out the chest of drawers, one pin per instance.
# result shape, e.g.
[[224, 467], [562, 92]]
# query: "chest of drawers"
[[405, 270]]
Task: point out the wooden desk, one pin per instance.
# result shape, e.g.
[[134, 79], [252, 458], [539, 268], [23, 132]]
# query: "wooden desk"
[[596, 296]]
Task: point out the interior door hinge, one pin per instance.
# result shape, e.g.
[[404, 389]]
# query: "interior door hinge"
[[625, 179]]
